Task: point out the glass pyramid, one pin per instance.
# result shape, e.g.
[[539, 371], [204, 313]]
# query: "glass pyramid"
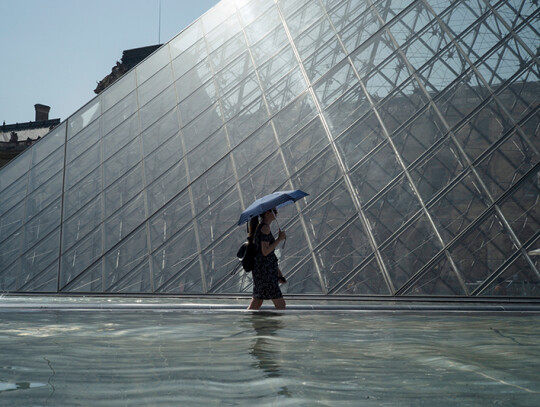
[[413, 125]]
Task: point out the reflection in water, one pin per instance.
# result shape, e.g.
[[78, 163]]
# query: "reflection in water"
[[267, 346]]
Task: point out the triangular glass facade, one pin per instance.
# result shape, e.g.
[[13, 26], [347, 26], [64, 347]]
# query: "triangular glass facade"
[[413, 125]]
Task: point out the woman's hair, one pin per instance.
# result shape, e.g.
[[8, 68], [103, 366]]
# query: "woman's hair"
[[253, 224]]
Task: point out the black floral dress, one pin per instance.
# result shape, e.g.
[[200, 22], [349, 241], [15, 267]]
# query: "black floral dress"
[[265, 271]]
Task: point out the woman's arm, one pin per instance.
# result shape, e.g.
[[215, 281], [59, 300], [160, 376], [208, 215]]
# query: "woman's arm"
[[268, 248]]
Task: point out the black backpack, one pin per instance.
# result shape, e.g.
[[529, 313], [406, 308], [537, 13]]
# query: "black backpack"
[[246, 254]]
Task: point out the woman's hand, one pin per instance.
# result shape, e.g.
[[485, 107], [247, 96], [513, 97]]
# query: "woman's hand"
[[282, 235]]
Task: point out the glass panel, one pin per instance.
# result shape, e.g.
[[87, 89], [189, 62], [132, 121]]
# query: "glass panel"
[[186, 38], [10, 250], [479, 253], [391, 211], [483, 129], [257, 25], [335, 83], [346, 110], [437, 171], [458, 208], [372, 53], [40, 256], [303, 18], [359, 31], [40, 226], [246, 122], [8, 275], [15, 170], [317, 177], [47, 168], [277, 67], [253, 9], [344, 12], [11, 220], [305, 146], [482, 37], [190, 58], [193, 79], [327, 216], [207, 154], [154, 110], [197, 102], [254, 150], [80, 256], [15, 193], [214, 224], [172, 257], [83, 165], [123, 222], [326, 57], [285, 91], [518, 280], [368, 281], [122, 87], [240, 97], [507, 164], [375, 173], [203, 126], [79, 195], [520, 98], [259, 182], [137, 281], [77, 227], [157, 134], [42, 197], [120, 136], [218, 265], [217, 15], [49, 143], [314, 37], [84, 140], [166, 187], [163, 158], [170, 219], [364, 136], [121, 192], [189, 281], [222, 56], [440, 279], [152, 64], [119, 112], [410, 251], [411, 22], [522, 208], [121, 162], [212, 184], [460, 99], [269, 45], [46, 281], [233, 73], [125, 257], [423, 132], [216, 37], [90, 281], [304, 280], [152, 87], [84, 117]]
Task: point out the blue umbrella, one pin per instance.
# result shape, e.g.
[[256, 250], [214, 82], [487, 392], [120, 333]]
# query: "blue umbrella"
[[275, 200]]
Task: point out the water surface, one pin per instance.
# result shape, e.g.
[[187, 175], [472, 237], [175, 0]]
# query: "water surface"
[[216, 358]]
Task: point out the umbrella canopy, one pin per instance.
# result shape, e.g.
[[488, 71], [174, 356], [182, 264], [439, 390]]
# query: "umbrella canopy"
[[275, 200]]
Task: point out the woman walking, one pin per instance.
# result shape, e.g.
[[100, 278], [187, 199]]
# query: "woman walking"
[[266, 273]]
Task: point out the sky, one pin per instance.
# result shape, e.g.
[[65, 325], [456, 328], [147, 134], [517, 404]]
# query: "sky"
[[54, 52]]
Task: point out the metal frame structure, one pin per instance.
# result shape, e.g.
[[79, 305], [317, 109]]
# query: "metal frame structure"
[[414, 125]]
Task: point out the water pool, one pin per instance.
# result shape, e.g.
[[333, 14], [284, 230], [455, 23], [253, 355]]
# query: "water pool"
[[56, 357]]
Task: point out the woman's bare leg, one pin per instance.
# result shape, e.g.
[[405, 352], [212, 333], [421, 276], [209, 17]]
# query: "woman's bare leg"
[[255, 304], [279, 303]]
